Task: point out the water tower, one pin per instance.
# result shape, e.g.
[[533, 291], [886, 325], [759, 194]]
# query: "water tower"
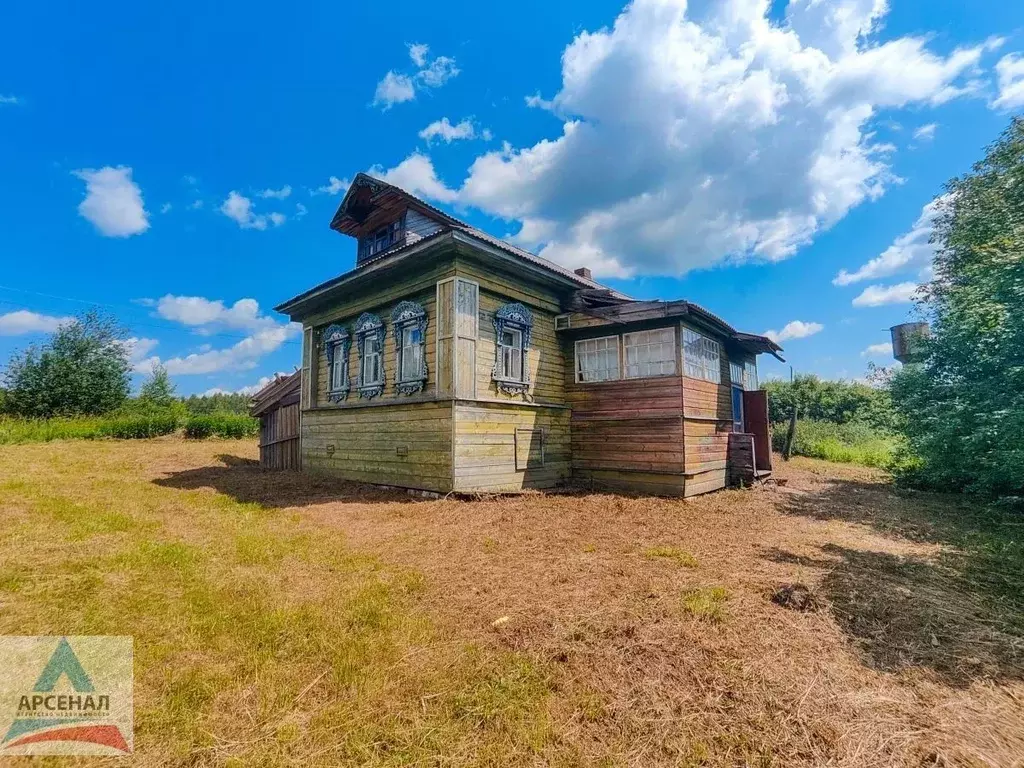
[[906, 341]]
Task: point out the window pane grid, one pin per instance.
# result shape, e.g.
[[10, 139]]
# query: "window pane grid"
[[701, 357], [650, 353], [511, 344], [597, 359], [338, 368]]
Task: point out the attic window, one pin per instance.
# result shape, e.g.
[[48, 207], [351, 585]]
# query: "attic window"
[[382, 239]]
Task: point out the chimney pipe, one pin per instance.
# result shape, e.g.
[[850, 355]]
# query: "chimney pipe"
[[583, 272]]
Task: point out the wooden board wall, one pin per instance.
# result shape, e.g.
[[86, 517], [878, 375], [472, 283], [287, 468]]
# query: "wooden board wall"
[[420, 289], [486, 441], [707, 423], [546, 359], [407, 445], [279, 438], [627, 435]]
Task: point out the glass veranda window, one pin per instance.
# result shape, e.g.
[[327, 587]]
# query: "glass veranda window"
[[511, 350], [597, 359], [650, 353], [701, 357]]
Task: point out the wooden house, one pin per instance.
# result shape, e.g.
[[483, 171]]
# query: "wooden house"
[[451, 360]]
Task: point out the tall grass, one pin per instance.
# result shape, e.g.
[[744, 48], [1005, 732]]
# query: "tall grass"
[[124, 427], [221, 425], [852, 443]]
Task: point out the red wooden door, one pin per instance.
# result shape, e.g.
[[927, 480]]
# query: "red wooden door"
[[755, 414]]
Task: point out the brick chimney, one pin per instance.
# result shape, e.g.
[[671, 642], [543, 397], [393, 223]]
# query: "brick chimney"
[[583, 272]]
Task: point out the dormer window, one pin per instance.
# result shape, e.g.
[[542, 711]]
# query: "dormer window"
[[381, 239]]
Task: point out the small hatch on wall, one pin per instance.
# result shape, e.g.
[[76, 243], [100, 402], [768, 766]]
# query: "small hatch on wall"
[[561, 322], [529, 449]]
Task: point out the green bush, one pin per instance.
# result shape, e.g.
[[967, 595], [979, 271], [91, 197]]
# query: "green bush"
[[853, 443], [138, 427], [840, 402], [230, 425]]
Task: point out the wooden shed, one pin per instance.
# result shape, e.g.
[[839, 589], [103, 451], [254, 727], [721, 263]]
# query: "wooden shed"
[[277, 407]]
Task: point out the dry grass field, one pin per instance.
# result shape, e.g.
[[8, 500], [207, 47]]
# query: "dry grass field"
[[281, 619]]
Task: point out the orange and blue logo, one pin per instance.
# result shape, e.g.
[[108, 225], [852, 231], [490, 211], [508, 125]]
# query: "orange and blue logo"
[[68, 710]]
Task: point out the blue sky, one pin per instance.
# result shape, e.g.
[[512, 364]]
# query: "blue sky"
[[174, 163]]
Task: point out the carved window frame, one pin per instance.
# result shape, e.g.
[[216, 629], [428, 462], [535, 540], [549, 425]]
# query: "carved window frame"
[[512, 316], [409, 314], [337, 340], [369, 325]]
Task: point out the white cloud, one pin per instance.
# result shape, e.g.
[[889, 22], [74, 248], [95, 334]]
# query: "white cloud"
[[333, 186], [200, 312], [416, 175], [12, 100], [795, 329], [22, 321], [878, 350], [444, 130], [1010, 80], [926, 132], [393, 89], [251, 389], [243, 356], [137, 348], [239, 208], [877, 295], [418, 53], [276, 194], [729, 137], [196, 205], [397, 87], [911, 250], [113, 202], [300, 210], [438, 72], [166, 208]]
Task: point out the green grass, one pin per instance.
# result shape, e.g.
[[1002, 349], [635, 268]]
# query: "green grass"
[[842, 443], [679, 556], [258, 639], [124, 427], [706, 603]]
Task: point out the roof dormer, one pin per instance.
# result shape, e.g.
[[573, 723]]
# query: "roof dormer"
[[383, 217]]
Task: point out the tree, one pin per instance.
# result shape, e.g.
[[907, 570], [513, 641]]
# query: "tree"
[[158, 390], [962, 408], [82, 370], [840, 402]]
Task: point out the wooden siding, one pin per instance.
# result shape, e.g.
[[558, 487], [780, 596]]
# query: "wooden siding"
[[279, 437], [418, 226], [627, 435], [421, 289], [546, 359], [486, 446], [406, 445], [707, 423]]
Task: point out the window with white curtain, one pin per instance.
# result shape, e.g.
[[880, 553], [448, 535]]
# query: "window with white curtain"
[[649, 353], [597, 359], [373, 371], [510, 354], [702, 357]]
